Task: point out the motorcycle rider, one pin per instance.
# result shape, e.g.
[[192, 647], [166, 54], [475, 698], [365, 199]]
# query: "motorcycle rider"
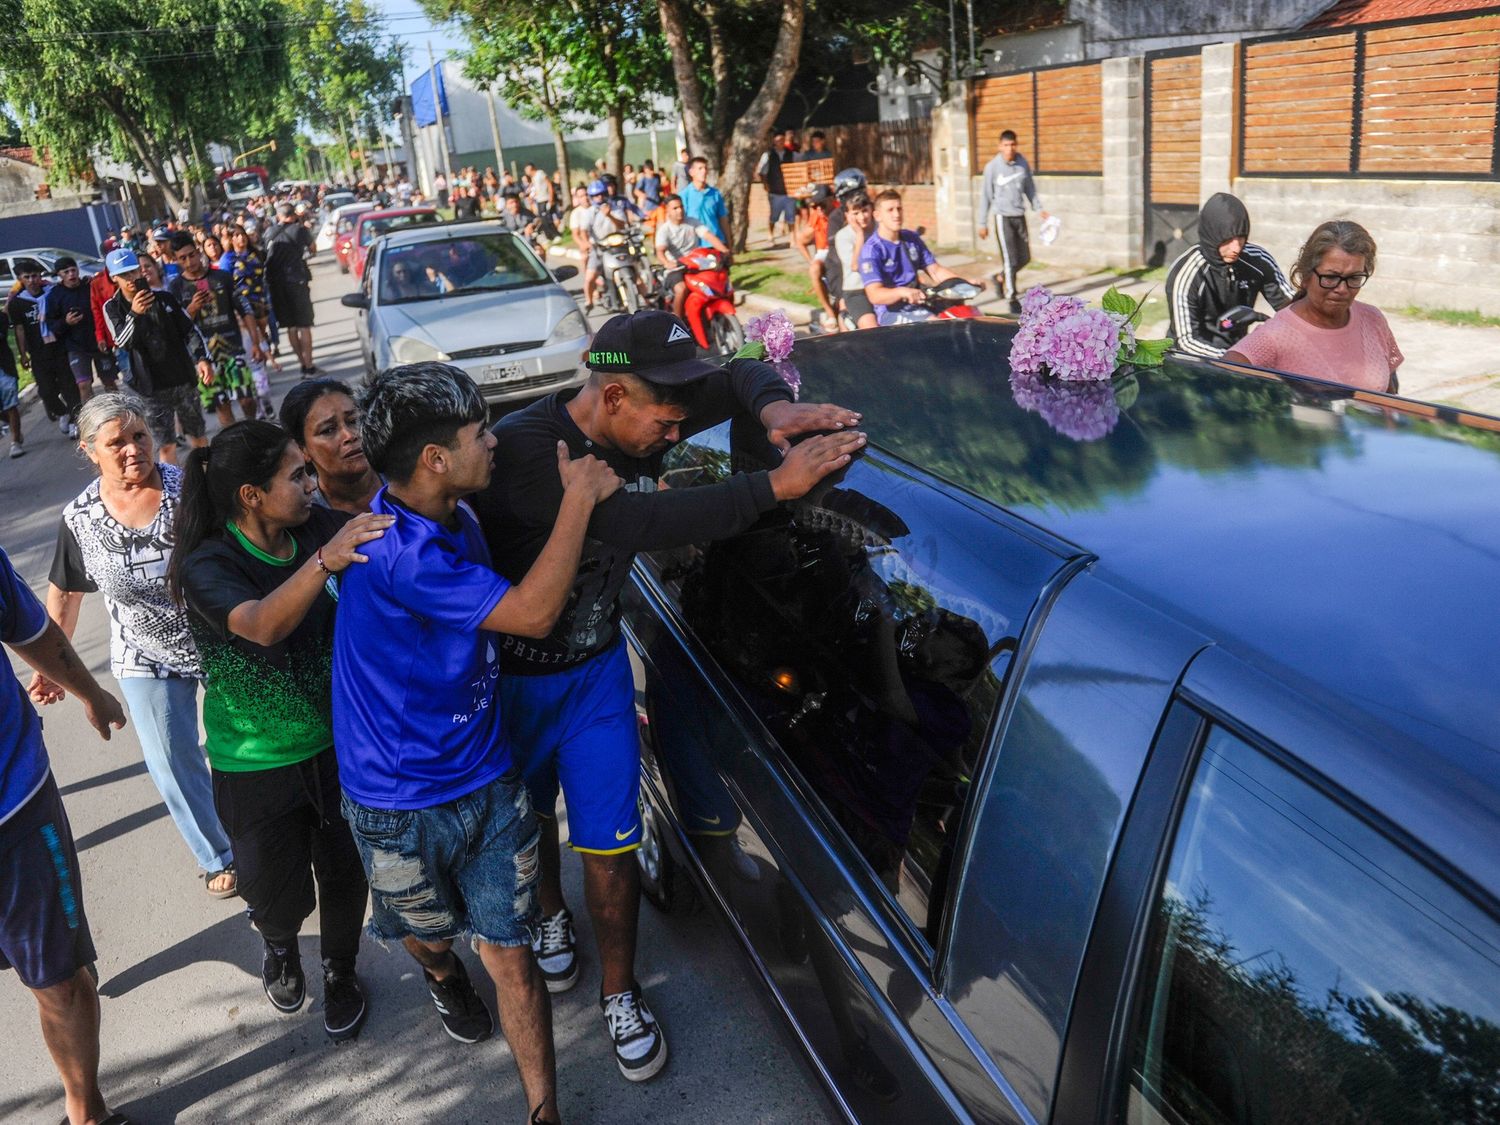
[[611, 215], [890, 261], [1223, 271], [675, 236]]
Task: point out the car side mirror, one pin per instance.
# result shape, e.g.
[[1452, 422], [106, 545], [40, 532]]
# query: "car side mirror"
[[355, 301], [565, 273]]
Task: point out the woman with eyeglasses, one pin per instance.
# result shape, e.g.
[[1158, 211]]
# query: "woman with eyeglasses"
[[1327, 332]]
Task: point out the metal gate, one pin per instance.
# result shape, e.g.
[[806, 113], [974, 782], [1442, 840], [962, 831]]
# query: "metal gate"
[[1174, 118]]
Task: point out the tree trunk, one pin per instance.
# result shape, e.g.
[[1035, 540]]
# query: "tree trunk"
[[614, 152], [560, 154], [149, 158], [718, 61], [689, 86], [743, 150]]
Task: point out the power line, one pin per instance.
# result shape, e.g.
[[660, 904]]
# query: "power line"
[[247, 28]]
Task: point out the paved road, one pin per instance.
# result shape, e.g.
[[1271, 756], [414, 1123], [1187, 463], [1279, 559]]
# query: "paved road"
[[188, 1035]]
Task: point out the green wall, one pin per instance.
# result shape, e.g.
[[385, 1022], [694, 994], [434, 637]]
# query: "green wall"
[[581, 154]]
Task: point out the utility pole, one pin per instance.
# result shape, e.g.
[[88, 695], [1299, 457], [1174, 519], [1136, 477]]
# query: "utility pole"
[[489, 100], [364, 156], [437, 108]]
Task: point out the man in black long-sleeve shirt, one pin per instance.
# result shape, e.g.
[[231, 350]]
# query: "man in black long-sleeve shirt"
[[167, 355], [568, 700]]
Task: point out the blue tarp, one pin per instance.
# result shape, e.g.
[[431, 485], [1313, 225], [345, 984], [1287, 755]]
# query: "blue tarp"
[[422, 111]]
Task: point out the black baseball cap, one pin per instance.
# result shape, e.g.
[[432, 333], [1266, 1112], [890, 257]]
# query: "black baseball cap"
[[652, 344]]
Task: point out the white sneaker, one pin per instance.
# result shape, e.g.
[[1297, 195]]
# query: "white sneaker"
[[640, 1046], [556, 951], [17, 450], [63, 423]]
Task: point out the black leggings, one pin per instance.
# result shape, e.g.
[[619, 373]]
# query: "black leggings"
[[286, 828]]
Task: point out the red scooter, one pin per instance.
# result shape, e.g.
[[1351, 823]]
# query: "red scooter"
[[709, 308]]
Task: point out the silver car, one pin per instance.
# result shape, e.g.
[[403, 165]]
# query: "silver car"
[[474, 295]]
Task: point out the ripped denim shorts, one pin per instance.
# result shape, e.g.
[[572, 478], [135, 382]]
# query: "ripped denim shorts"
[[465, 868]]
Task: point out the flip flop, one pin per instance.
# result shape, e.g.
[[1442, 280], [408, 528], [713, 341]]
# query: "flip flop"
[[234, 882], [112, 1119]]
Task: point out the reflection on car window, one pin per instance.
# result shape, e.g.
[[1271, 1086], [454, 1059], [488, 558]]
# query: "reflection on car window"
[[430, 270], [1305, 969], [876, 675], [374, 228]]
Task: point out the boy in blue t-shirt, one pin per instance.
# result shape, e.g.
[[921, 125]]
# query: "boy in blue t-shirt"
[[44, 934], [890, 261], [441, 821]]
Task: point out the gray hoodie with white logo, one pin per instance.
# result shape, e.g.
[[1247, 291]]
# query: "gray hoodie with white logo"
[[1007, 187]]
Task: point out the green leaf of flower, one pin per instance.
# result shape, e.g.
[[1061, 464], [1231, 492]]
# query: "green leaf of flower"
[[1150, 353], [751, 349], [1116, 302]]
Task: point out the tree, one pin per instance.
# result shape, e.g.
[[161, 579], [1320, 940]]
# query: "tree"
[[724, 126], [518, 52], [566, 62], [148, 82]]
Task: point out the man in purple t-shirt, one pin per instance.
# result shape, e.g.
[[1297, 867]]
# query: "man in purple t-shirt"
[[442, 823], [44, 934], [890, 261]]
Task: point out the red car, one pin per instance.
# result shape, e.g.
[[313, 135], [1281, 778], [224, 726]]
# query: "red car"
[[343, 232], [370, 225]]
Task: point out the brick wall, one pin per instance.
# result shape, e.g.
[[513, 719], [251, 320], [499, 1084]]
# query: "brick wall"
[[919, 200]]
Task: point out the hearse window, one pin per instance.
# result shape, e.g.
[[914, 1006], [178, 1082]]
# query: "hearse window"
[[1303, 968], [876, 669]]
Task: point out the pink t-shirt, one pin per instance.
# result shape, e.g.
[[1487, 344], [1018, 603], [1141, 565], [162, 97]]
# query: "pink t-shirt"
[[1361, 354]]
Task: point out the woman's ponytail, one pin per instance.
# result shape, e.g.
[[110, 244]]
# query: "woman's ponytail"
[[244, 453]]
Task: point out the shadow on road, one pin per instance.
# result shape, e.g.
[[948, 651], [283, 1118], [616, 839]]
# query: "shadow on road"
[[124, 773], [118, 828]]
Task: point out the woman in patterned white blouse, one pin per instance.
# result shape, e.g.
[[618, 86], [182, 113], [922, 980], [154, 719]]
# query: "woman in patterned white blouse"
[[116, 537]]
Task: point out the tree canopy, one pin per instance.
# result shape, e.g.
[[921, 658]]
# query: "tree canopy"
[[152, 82]]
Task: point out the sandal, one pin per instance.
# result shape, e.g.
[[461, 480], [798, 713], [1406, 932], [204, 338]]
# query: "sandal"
[[226, 892]]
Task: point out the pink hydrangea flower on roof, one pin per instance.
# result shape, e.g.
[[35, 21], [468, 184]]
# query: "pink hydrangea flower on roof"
[[775, 331]]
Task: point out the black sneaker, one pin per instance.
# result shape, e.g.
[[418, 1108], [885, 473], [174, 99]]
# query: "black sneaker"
[[281, 974], [1015, 306], [465, 1016], [343, 1002], [556, 951], [640, 1046]]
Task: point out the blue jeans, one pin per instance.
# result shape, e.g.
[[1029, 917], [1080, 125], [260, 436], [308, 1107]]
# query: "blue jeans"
[[165, 716], [465, 867]]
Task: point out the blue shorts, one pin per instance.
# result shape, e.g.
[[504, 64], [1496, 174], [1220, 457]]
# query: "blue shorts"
[[577, 728], [10, 390], [467, 867], [44, 935], [783, 208]]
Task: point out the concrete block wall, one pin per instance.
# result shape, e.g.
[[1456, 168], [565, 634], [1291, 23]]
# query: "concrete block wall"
[[1077, 201], [1438, 241], [1123, 206]]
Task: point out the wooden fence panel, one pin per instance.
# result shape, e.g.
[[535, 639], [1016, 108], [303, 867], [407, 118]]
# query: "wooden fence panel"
[[1070, 121], [1429, 97], [1176, 108], [1003, 103], [1298, 105]]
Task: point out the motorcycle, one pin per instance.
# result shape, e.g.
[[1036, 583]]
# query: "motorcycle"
[[709, 309], [946, 299], [622, 262]]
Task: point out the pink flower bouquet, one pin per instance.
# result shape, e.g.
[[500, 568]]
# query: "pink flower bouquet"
[[770, 338], [1062, 338]]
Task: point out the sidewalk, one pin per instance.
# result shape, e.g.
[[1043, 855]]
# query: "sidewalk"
[[1456, 365]]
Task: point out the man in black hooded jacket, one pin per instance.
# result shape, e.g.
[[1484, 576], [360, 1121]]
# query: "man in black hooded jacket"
[[1225, 269]]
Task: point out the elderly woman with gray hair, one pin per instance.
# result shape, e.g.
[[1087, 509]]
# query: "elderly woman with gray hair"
[[116, 537], [1327, 333]]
